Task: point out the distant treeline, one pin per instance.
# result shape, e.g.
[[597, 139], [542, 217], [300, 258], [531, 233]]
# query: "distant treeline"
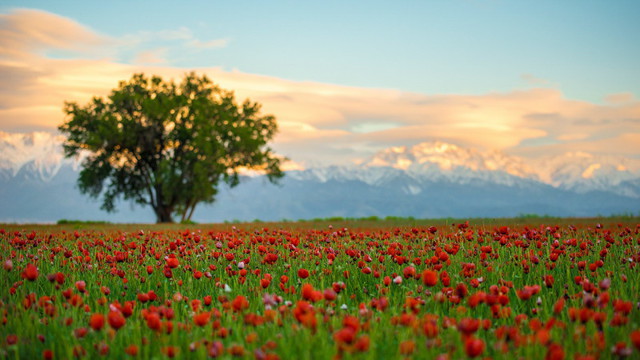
[[81, 222]]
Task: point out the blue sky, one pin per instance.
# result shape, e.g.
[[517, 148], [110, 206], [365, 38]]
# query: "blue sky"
[[587, 49], [352, 77]]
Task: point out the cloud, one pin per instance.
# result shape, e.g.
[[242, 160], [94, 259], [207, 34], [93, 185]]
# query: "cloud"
[[151, 57], [215, 43], [318, 122], [182, 34], [534, 81], [27, 32], [620, 98]]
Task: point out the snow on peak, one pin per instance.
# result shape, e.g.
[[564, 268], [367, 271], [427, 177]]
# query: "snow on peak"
[[41, 149], [578, 171], [583, 172], [447, 157], [41, 153]]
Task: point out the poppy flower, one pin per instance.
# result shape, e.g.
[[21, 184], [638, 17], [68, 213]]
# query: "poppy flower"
[[554, 352], [80, 332], [362, 344], [201, 319], [345, 336], [131, 350], [172, 262], [170, 351], [430, 329], [635, 339], [30, 272], [473, 347], [409, 272], [240, 303], [303, 273], [12, 339], [429, 278], [468, 326], [407, 347], [47, 354], [310, 294], [116, 320], [153, 321], [143, 297], [96, 321]]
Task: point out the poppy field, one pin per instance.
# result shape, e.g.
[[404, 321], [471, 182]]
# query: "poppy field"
[[277, 291]]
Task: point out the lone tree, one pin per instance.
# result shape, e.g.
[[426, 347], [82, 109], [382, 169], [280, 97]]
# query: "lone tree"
[[167, 145]]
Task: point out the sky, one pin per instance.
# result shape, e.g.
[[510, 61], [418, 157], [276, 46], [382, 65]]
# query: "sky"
[[348, 78]]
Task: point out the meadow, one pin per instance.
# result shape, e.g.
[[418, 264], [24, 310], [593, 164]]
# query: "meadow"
[[529, 288]]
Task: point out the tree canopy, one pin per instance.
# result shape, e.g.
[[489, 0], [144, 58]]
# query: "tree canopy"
[[167, 145]]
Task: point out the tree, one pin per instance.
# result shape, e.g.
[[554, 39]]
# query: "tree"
[[167, 145]]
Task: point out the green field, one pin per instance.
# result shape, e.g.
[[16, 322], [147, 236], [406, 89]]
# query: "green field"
[[528, 287]]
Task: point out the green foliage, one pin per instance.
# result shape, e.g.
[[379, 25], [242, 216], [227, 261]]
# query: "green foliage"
[[167, 145], [81, 222]]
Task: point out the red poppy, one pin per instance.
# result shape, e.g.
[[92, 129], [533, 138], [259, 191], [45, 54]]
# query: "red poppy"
[[309, 293], [429, 278], [473, 347], [362, 344], [96, 321], [468, 326], [345, 336], [554, 352], [12, 339], [47, 354], [407, 347], [303, 273], [202, 319], [30, 272], [170, 351], [635, 339], [240, 303], [131, 350], [409, 272], [116, 320], [548, 281], [172, 262], [153, 321]]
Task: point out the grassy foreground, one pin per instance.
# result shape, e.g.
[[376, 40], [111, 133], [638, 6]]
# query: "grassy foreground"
[[500, 289]]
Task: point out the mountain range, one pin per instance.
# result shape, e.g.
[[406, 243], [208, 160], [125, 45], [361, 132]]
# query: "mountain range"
[[428, 180]]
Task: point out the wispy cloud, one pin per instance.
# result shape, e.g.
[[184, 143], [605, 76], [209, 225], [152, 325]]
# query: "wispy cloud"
[[323, 122], [27, 32], [180, 36], [151, 57], [210, 44], [159, 46]]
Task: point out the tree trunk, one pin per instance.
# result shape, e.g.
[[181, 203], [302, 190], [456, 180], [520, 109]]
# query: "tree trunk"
[[193, 208], [163, 210], [163, 215]]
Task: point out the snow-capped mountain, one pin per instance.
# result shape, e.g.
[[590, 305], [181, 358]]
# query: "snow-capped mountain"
[[438, 161], [431, 179], [583, 172], [36, 154], [429, 156]]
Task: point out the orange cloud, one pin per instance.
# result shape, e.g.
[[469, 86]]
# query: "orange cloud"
[[329, 122], [28, 33]]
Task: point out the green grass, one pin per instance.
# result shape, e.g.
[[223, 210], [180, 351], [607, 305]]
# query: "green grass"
[[81, 252]]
